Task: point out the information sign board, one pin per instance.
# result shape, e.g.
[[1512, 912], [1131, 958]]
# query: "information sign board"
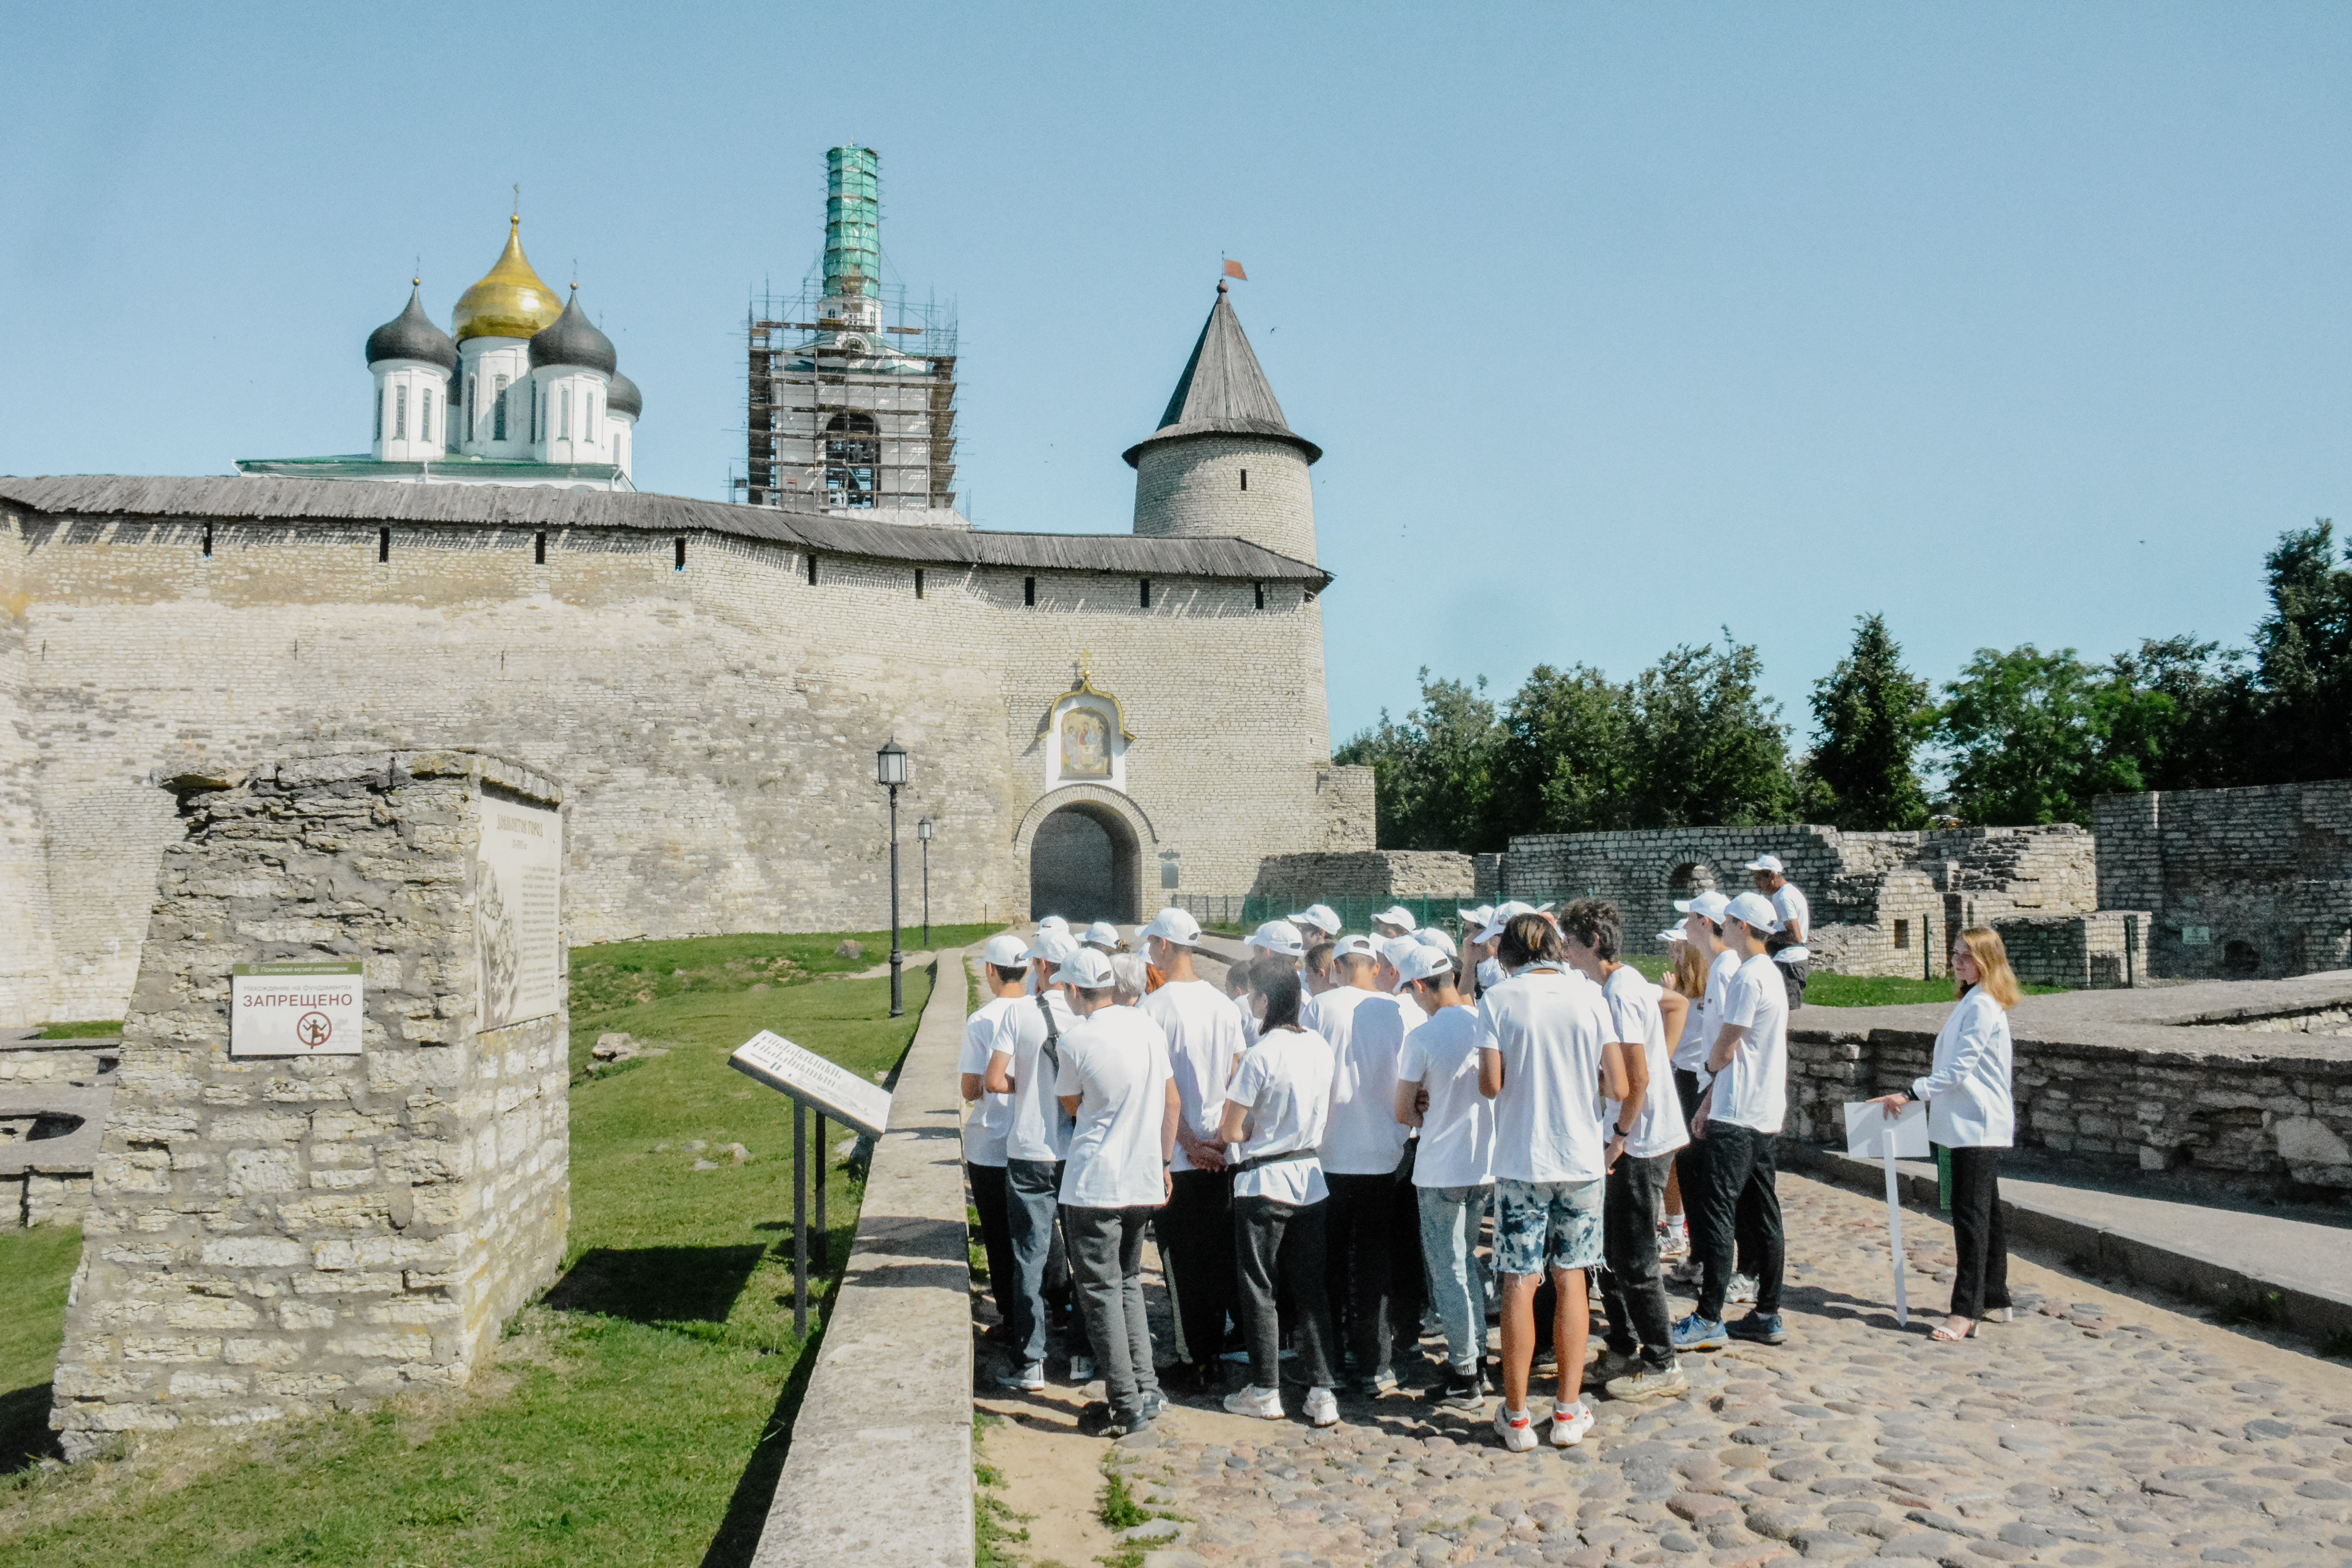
[[830, 1088], [310, 1008], [517, 927]]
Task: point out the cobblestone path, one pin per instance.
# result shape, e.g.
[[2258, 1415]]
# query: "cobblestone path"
[[2094, 1429]]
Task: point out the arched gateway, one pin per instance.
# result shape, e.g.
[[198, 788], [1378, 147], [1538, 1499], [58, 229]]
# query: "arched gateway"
[[1084, 846]]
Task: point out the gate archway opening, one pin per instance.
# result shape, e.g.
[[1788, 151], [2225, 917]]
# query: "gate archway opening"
[[1085, 863]]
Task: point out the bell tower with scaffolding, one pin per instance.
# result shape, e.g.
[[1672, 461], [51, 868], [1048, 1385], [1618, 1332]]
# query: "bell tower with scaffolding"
[[850, 404]]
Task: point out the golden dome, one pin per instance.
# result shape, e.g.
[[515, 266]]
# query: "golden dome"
[[510, 301]]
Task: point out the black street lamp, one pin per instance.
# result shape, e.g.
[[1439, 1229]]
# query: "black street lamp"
[[923, 830], [890, 771]]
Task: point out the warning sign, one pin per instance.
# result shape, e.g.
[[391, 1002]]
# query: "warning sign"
[[307, 1010]]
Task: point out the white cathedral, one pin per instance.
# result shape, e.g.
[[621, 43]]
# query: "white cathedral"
[[520, 390]]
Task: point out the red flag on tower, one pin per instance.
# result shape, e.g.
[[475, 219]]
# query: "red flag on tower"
[[1234, 269]]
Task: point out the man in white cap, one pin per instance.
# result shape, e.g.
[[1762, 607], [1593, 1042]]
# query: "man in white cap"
[[1280, 939], [1003, 969], [1740, 1118], [1114, 1080], [1787, 947], [1103, 937], [1453, 1168], [1489, 970], [1363, 1157], [1322, 919], [1702, 928], [1196, 1229], [1395, 920], [1024, 1062]]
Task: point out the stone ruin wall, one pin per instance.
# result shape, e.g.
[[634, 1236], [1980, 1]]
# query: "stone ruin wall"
[[1301, 879], [716, 725], [2242, 883], [274, 1236]]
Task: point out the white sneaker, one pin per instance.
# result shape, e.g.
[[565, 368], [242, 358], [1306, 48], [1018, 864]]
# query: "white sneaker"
[[1742, 1289], [1322, 1409], [1517, 1432], [1570, 1423], [1082, 1367], [1265, 1403]]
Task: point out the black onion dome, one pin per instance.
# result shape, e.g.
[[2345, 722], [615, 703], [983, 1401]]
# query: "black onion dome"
[[412, 335], [622, 397], [572, 339]]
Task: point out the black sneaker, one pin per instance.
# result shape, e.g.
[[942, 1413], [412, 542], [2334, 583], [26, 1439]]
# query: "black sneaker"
[[1758, 1328], [1463, 1392], [1123, 1422]]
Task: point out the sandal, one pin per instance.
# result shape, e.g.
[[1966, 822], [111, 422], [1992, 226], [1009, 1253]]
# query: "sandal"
[[1942, 1332]]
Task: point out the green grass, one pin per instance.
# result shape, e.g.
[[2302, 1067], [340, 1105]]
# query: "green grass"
[[616, 975], [87, 1029], [638, 1415], [36, 1267]]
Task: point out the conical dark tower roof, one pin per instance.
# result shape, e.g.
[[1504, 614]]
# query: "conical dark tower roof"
[[572, 339], [1223, 392], [412, 335]]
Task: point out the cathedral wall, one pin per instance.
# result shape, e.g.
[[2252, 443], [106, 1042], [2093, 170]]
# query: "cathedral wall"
[[26, 959], [714, 726], [1194, 486]]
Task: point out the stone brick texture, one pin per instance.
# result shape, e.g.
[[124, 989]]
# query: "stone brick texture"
[[272, 1236], [715, 726], [2242, 883], [1194, 487], [1369, 873], [1883, 903]]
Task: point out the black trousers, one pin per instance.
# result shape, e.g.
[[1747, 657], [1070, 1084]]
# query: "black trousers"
[[995, 1234], [1743, 1208], [1360, 1256], [1631, 1292], [1690, 1164], [1196, 1245], [1278, 1252], [1981, 1279], [1408, 1270]]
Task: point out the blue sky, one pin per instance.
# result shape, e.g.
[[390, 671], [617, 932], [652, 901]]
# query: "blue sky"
[[1618, 324]]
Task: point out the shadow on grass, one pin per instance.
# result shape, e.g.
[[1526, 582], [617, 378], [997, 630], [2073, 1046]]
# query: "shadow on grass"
[[737, 1539], [24, 1434], [657, 1284]]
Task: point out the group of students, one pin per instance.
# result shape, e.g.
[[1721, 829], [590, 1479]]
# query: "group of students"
[[1319, 1149]]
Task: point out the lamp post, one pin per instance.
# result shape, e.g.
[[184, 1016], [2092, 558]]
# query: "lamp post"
[[890, 771], [923, 830]]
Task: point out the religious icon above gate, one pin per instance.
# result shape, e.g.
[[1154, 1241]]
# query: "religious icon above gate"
[[1085, 734]]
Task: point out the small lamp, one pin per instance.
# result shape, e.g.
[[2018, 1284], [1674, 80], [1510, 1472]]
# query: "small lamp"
[[924, 829], [890, 763]]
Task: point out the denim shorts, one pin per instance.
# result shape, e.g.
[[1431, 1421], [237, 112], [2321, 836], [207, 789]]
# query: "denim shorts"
[[1537, 1223]]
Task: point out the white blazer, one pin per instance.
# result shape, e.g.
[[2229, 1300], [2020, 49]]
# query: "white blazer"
[[1970, 1105]]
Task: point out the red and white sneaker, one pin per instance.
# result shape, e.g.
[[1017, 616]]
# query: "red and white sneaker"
[[1570, 1423], [1515, 1428]]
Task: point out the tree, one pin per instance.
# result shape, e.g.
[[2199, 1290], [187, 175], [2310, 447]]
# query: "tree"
[[2031, 736], [1872, 716], [2189, 720], [1706, 748], [1433, 775], [2302, 655], [1564, 755]]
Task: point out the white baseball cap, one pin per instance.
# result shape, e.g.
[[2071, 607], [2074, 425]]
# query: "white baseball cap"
[[1430, 936], [1320, 916], [1674, 935], [1173, 925], [1102, 933], [1395, 915], [1419, 962], [1753, 910], [1053, 946], [1710, 904], [1006, 951], [1354, 947], [1053, 922], [1765, 863], [1086, 969], [1503, 915], [1396, 947], [1277, 937], [1475, 920]]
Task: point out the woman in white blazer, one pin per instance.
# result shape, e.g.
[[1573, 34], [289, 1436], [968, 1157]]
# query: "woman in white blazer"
[[1972, 1112]]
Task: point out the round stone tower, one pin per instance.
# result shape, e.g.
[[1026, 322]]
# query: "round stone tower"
[[1223, 462]]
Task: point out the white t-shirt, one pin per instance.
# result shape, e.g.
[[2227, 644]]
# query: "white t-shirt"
[[1703, 1021], [1753, 1091], [1285, 1081], [1548, 1027], [1249, 1020], [1796, 916], [1116, 1062], [1038, 1130], [1490, 973], [1635, 1022], [1366, 1032], [1457, 1130], [992, 1114], [1205, 1041]]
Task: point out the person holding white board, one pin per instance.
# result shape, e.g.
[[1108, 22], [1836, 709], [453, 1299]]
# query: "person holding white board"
[[1972, 1111]]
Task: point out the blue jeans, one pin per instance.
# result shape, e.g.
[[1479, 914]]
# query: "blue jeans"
[[1449, 1218], [1033, 1203]]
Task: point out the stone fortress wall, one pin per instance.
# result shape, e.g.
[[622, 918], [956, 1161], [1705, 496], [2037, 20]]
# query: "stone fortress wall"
[[714, 724]]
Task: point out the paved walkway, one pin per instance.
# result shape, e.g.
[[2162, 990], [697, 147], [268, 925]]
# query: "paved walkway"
[[2098, 1429]]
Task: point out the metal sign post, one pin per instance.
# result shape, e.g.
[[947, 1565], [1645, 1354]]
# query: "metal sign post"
[[800, 1218]]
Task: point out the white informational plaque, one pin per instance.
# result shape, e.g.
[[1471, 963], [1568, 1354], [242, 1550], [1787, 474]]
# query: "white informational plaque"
[[828, 1086], [1872, 1134], [310, 1008], [517, 925]]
